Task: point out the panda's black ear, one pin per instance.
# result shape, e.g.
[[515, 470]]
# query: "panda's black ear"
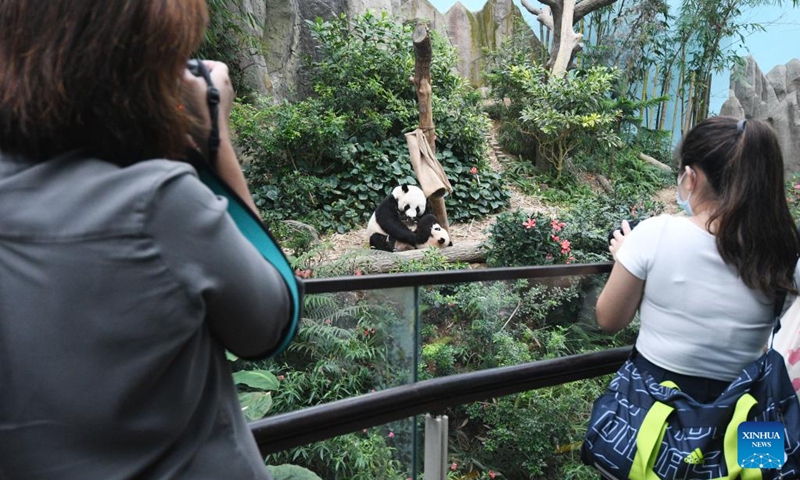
[[405, 188], [450, 244]]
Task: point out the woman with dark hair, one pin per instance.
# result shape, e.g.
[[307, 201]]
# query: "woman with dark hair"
[[705, 284], [122, 277]]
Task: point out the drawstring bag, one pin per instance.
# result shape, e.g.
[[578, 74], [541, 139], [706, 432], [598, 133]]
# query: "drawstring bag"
[[643, 430]]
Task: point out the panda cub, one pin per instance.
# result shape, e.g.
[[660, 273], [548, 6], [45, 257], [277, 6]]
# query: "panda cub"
[[429, 234], [394, 217]]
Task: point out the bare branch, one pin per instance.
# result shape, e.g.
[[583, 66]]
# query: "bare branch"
[[550, 3], [544, 16], [588, 6]]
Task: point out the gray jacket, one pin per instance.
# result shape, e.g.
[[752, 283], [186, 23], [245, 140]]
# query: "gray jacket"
[[119, 288]]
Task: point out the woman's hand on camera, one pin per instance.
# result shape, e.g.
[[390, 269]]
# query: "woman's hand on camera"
[[619, 239], [195, 98], [228, 167]]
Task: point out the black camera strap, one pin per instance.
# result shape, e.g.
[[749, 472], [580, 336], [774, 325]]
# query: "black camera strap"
[[197, 68], [248, 223]]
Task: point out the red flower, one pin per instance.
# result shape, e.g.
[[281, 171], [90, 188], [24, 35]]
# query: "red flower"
[[557, 226], [492, 474], [391, 434], [529, 223], [473, 170], [555, 238], [565, 246], [454, 466]]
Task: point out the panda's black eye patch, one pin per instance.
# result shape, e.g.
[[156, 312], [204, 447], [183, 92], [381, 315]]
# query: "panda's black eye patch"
[[406, 207]]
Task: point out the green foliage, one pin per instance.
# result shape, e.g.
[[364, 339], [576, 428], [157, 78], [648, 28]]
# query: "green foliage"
[[477, 326], [291, 472], [225, 37], [559, 113], [518, 238], [344, 347], [330, 160], [793, 196], [590, 220]]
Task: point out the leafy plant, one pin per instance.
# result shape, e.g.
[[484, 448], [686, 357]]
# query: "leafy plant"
[[559, 112], [518, 238]]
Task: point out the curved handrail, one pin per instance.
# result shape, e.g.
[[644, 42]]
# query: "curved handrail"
[[395, 280], [313, 424]]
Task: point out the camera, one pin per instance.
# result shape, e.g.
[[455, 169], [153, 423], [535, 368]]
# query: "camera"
[[198, 69], [631, 223]]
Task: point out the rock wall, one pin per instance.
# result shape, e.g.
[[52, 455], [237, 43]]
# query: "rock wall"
[[773, 97], [276, 69]]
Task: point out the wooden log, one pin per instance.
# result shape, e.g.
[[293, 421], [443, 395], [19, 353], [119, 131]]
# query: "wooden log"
[[654, 162], [382, 262], [604, 183]]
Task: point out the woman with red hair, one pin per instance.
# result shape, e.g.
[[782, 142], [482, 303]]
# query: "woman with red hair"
[[122, 277]]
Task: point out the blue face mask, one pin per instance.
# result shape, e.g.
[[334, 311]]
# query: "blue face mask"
[[684, 204]]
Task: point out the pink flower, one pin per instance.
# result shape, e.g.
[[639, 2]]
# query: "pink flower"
[[364, 431], [529, 223], [797, 186], [327, 321], [557, 226], [555, 238], [358, 272], [565, 246], [303, 273], [473, 170], [492, 474], [454, 466], [391, 434], [281, 378]]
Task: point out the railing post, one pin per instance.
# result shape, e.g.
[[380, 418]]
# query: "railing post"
[[436, 431]]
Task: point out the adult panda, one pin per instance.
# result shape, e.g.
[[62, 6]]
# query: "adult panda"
[[394, 217]]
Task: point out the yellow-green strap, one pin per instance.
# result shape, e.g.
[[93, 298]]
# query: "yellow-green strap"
[[648, 442], [731, 442], [651, 434]]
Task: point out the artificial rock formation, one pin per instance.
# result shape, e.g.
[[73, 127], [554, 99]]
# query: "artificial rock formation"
[[280, 25], [773, 97]]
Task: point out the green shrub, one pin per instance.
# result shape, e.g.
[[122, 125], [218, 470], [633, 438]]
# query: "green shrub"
[[590, 220], [518, 238], [559, 113]]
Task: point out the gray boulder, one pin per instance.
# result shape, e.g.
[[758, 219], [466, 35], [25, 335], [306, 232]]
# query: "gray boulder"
[[773, 97], [276, 69]]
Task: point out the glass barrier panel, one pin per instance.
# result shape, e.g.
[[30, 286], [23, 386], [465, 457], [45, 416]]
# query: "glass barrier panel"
[[349, 344]]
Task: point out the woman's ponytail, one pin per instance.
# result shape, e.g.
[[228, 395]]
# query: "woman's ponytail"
[[754, 229]]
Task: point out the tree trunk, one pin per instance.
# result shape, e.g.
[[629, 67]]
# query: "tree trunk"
[[552, 20], [568, 41], [383, 262], [422, 83]]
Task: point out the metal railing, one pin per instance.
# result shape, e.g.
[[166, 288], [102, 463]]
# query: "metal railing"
[[288, 430]]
